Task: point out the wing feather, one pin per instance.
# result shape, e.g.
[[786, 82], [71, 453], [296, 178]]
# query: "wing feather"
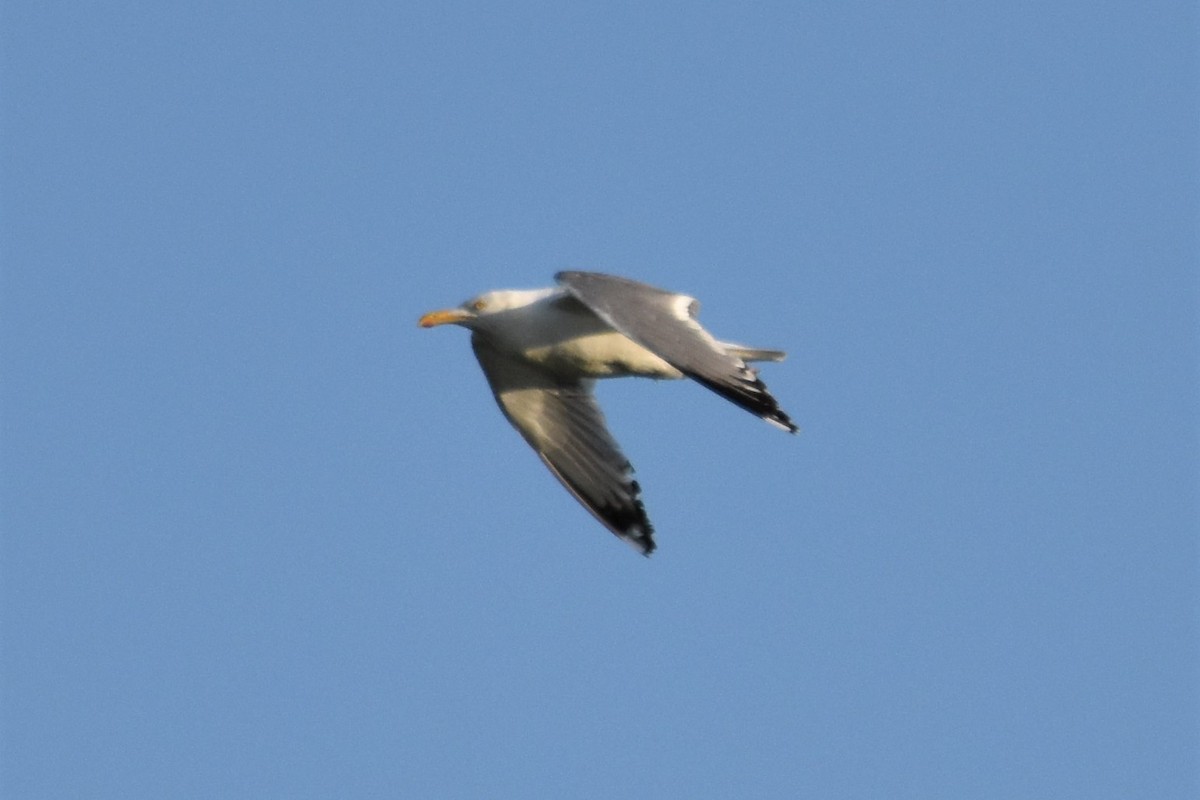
[[562, 422], [664, 323]]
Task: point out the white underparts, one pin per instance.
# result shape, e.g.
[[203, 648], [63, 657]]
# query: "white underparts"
[[601, 355]]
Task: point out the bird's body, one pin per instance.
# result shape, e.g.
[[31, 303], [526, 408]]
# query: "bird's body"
[[550, 329], [542, 349]]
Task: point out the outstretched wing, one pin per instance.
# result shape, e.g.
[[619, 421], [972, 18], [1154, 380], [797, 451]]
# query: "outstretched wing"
[[664, 323], [561, 421]]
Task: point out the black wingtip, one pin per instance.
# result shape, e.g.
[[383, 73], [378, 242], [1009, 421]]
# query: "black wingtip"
[[634, 525], [753, 397], [640, 537], [627, 521], [782, 420], [646, 544]]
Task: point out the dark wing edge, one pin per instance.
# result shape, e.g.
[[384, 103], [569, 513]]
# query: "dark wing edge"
[[563, 424], [663, 322]]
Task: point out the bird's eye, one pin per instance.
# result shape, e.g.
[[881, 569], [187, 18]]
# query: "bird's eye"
[[478, 305]]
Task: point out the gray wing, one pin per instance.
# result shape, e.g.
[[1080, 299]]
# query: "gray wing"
[[664, 323], [562, 423]]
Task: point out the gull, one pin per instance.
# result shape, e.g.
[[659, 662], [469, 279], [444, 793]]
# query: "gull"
[[542, 350]]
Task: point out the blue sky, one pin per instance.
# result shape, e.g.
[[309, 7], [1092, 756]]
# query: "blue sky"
[[263, 537]]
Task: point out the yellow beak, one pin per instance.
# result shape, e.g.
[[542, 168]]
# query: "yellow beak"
[[447, 316]]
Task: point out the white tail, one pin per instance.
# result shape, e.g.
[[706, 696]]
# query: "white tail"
[[753, 353]]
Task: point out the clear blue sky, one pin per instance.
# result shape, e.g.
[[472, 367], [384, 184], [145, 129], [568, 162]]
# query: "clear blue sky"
[[263, 537]]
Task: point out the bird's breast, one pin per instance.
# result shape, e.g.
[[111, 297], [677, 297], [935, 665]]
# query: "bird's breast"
[[606, 354]]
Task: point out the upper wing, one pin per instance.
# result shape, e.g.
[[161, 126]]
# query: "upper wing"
[[564, 425], [664, 323]]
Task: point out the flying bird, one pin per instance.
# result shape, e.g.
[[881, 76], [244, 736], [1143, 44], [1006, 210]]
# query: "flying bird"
[[541, 351]]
